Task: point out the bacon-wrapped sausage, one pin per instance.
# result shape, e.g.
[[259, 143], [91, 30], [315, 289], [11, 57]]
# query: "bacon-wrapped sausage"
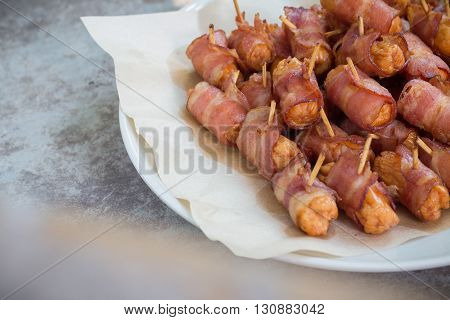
[[426, 107], [420, 190], [300, 96], [432, 27], [376, 14], [363, 199], [216, 111], [363, 100], [375, 54], [311, 207], [262, 144], [389, 137], [316, 140], [438, 161], [310, 32], [423, 63], [254, 90], [215, 63], [252, 44]]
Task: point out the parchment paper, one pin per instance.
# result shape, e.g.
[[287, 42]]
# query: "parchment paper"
[[228, 201]]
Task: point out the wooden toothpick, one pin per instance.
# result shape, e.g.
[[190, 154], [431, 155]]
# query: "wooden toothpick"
[[447, 8], [212, 38], [325, 169], [333, 33], [361, 25], [273, 106], [416, 158], [316, 169], [238, 11], [288, 23], [353, 69], [326, 122], [235, 76], [264, 74], [312, 61], [425, 6], [424, 146], [366, 150]]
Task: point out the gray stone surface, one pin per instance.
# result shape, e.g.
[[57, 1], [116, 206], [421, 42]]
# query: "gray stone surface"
[[61, 150]]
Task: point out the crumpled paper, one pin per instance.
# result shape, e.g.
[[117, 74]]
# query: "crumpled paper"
[[227, 199]]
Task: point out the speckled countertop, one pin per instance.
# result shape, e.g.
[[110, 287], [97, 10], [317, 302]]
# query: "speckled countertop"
[[76, 219]]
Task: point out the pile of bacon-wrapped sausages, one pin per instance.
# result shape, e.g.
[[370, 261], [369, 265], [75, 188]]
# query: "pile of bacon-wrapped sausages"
[[358, 88]]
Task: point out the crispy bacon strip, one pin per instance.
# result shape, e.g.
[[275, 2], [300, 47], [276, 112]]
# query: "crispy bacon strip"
[[219, 112], [426, 107], [215, 63], [300, 96], [375, 54], [420, 190], [363, 198], [400, 5], [311, 208], [438, 161], [280, 41], [376, 14], [257, 138], [253, 44], [363, 100], [254, 90], [432, 27], [310, 32], [423, 63], [389, 137]]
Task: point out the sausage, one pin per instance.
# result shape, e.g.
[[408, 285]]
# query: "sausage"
[[300, 97], [426, 107], [253, 44], [262, 144], [254, 90], [389, 137], [310, 32], [375, 54], [443, 85], [423, 63], [215, 63], [432, 27], [362, 197], [216, 111], [375, 13], [420, 190], [311, 208], [364, 101], [316, 140], [438, 161]]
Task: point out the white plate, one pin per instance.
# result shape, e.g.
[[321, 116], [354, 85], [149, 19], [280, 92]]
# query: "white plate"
[[423, 253]]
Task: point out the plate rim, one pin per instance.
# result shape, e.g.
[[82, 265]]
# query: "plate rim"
[[133, 141]]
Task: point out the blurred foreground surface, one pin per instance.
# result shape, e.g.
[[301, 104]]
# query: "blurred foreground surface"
[[77, 221]]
